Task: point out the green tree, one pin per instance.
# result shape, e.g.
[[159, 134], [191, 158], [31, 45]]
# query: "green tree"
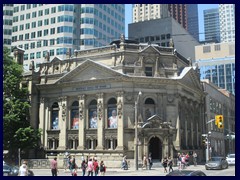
[[17, 132]]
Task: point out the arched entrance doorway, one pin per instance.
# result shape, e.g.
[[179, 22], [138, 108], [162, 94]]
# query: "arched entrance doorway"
[[155, 147]]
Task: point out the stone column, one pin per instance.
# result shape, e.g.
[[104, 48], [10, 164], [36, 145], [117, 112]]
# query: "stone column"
[[82, 122], [120, 121], [100, 123], [63, 113], [47, 124], [42, 119]]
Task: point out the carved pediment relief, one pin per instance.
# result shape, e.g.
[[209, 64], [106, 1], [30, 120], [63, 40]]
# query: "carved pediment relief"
[[89, 70], [153, 122], [191, 79]]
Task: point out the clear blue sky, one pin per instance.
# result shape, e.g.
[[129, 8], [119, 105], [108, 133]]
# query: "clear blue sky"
[[201, 7]]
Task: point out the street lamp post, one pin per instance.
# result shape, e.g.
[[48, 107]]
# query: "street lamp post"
[[136, 131]]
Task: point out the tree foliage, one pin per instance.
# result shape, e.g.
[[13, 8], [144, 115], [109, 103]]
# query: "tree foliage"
[[17, 132]]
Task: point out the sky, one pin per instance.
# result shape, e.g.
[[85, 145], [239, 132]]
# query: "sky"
[[201, 7]]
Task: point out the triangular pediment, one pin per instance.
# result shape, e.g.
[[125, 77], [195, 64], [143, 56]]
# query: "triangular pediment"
[[89, 70], [150, 49], [153, 122], [191, 79]]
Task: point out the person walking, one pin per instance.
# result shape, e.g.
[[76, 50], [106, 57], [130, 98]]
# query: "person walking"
[[23, 170], [102, 168], [90, 167], [95, 167], [165, 163], [53, 166], [84, 167], [144, 162], [124, 163], [150, 161], [195, 158], [170, 164], [179, 161], [73, 167]]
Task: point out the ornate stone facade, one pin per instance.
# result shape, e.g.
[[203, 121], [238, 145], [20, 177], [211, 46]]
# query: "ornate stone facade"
[[87, 103]]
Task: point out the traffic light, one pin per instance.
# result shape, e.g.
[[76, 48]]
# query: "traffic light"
[[216, 119], [220, 121], [204, 140]]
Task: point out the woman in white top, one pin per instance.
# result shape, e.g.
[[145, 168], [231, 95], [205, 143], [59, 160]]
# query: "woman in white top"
[[23, 170]]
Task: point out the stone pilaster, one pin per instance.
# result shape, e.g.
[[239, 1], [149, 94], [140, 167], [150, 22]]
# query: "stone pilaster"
[[42, 118], [82, 122], [120, 122], [63, 113], [101, 124]]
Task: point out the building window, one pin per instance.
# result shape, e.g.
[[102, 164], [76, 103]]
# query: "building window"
[[46, 22], [75, 115], [51, 52], [32, 45], [38, 55], [149, 108], [111, 144], [93, 114], [217, 47], [112, 113], [53, 20], [54, 116], [39, 23], [33, 24], [206, 49], [39, 44], [52, 41], [148, 71], [31, 55]]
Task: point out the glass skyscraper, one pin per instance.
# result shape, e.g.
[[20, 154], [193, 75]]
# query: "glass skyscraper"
[[211, 25], [55, 28]]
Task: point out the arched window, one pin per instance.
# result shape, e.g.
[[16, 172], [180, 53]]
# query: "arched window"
[[112, 113], [75, 115], [54, 119], [149, 108], [93, 114]]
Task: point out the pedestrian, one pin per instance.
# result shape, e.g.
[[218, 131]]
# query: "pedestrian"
[[150, 161], [170, 164], [73, 167], [183, 157], [187, 159], [124, 163], [165, 163], [102, 168], [90, 167], [23, 170], [179, 161], [144, 162], [195, 158], [53, 165], [84, 167], [95, 167]]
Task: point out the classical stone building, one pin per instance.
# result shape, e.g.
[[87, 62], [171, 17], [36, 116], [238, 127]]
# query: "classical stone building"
[[104, 82]]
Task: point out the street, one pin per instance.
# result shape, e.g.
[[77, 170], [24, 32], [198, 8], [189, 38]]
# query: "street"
[[131, 172]]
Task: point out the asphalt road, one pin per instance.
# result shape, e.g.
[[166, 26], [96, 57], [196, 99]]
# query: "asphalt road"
[[141, 172]]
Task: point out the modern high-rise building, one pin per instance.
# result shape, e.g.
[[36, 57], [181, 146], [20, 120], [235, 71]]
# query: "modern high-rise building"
[[144, 12], [184, 14], [7, 24], [162, 32], [217, 63], [211, 25], [227, 22], [192, 20], [49, 30]]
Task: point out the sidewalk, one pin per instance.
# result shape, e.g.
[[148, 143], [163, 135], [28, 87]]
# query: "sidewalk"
[[155, 171]]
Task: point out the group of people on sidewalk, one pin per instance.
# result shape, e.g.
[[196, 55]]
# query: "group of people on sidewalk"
[[89, 167], [183, 160], [147, 161]]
